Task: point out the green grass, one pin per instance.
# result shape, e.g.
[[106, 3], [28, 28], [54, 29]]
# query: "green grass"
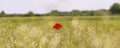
[[77, 32]]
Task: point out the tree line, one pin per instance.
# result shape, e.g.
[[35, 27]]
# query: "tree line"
[[114, 10]]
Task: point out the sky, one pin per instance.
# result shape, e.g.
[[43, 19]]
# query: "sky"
[[44, 6]]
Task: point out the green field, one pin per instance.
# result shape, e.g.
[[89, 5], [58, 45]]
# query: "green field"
[[77, 32]]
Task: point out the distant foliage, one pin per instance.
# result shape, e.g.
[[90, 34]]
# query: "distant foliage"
[[30, 13], [75, 13], [101, 12], [115, 8], [87, 13], [54, 13], [2, 14]]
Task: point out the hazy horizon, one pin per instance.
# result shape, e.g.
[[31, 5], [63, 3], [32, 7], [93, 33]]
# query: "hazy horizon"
[[44, 6]]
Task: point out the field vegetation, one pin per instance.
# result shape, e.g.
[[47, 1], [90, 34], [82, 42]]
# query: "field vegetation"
[[76, 32]]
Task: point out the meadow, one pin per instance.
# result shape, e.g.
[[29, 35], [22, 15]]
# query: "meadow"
[[76, 32]]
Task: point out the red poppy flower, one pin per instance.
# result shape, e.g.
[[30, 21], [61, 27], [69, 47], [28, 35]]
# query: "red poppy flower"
[[57, 26]]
